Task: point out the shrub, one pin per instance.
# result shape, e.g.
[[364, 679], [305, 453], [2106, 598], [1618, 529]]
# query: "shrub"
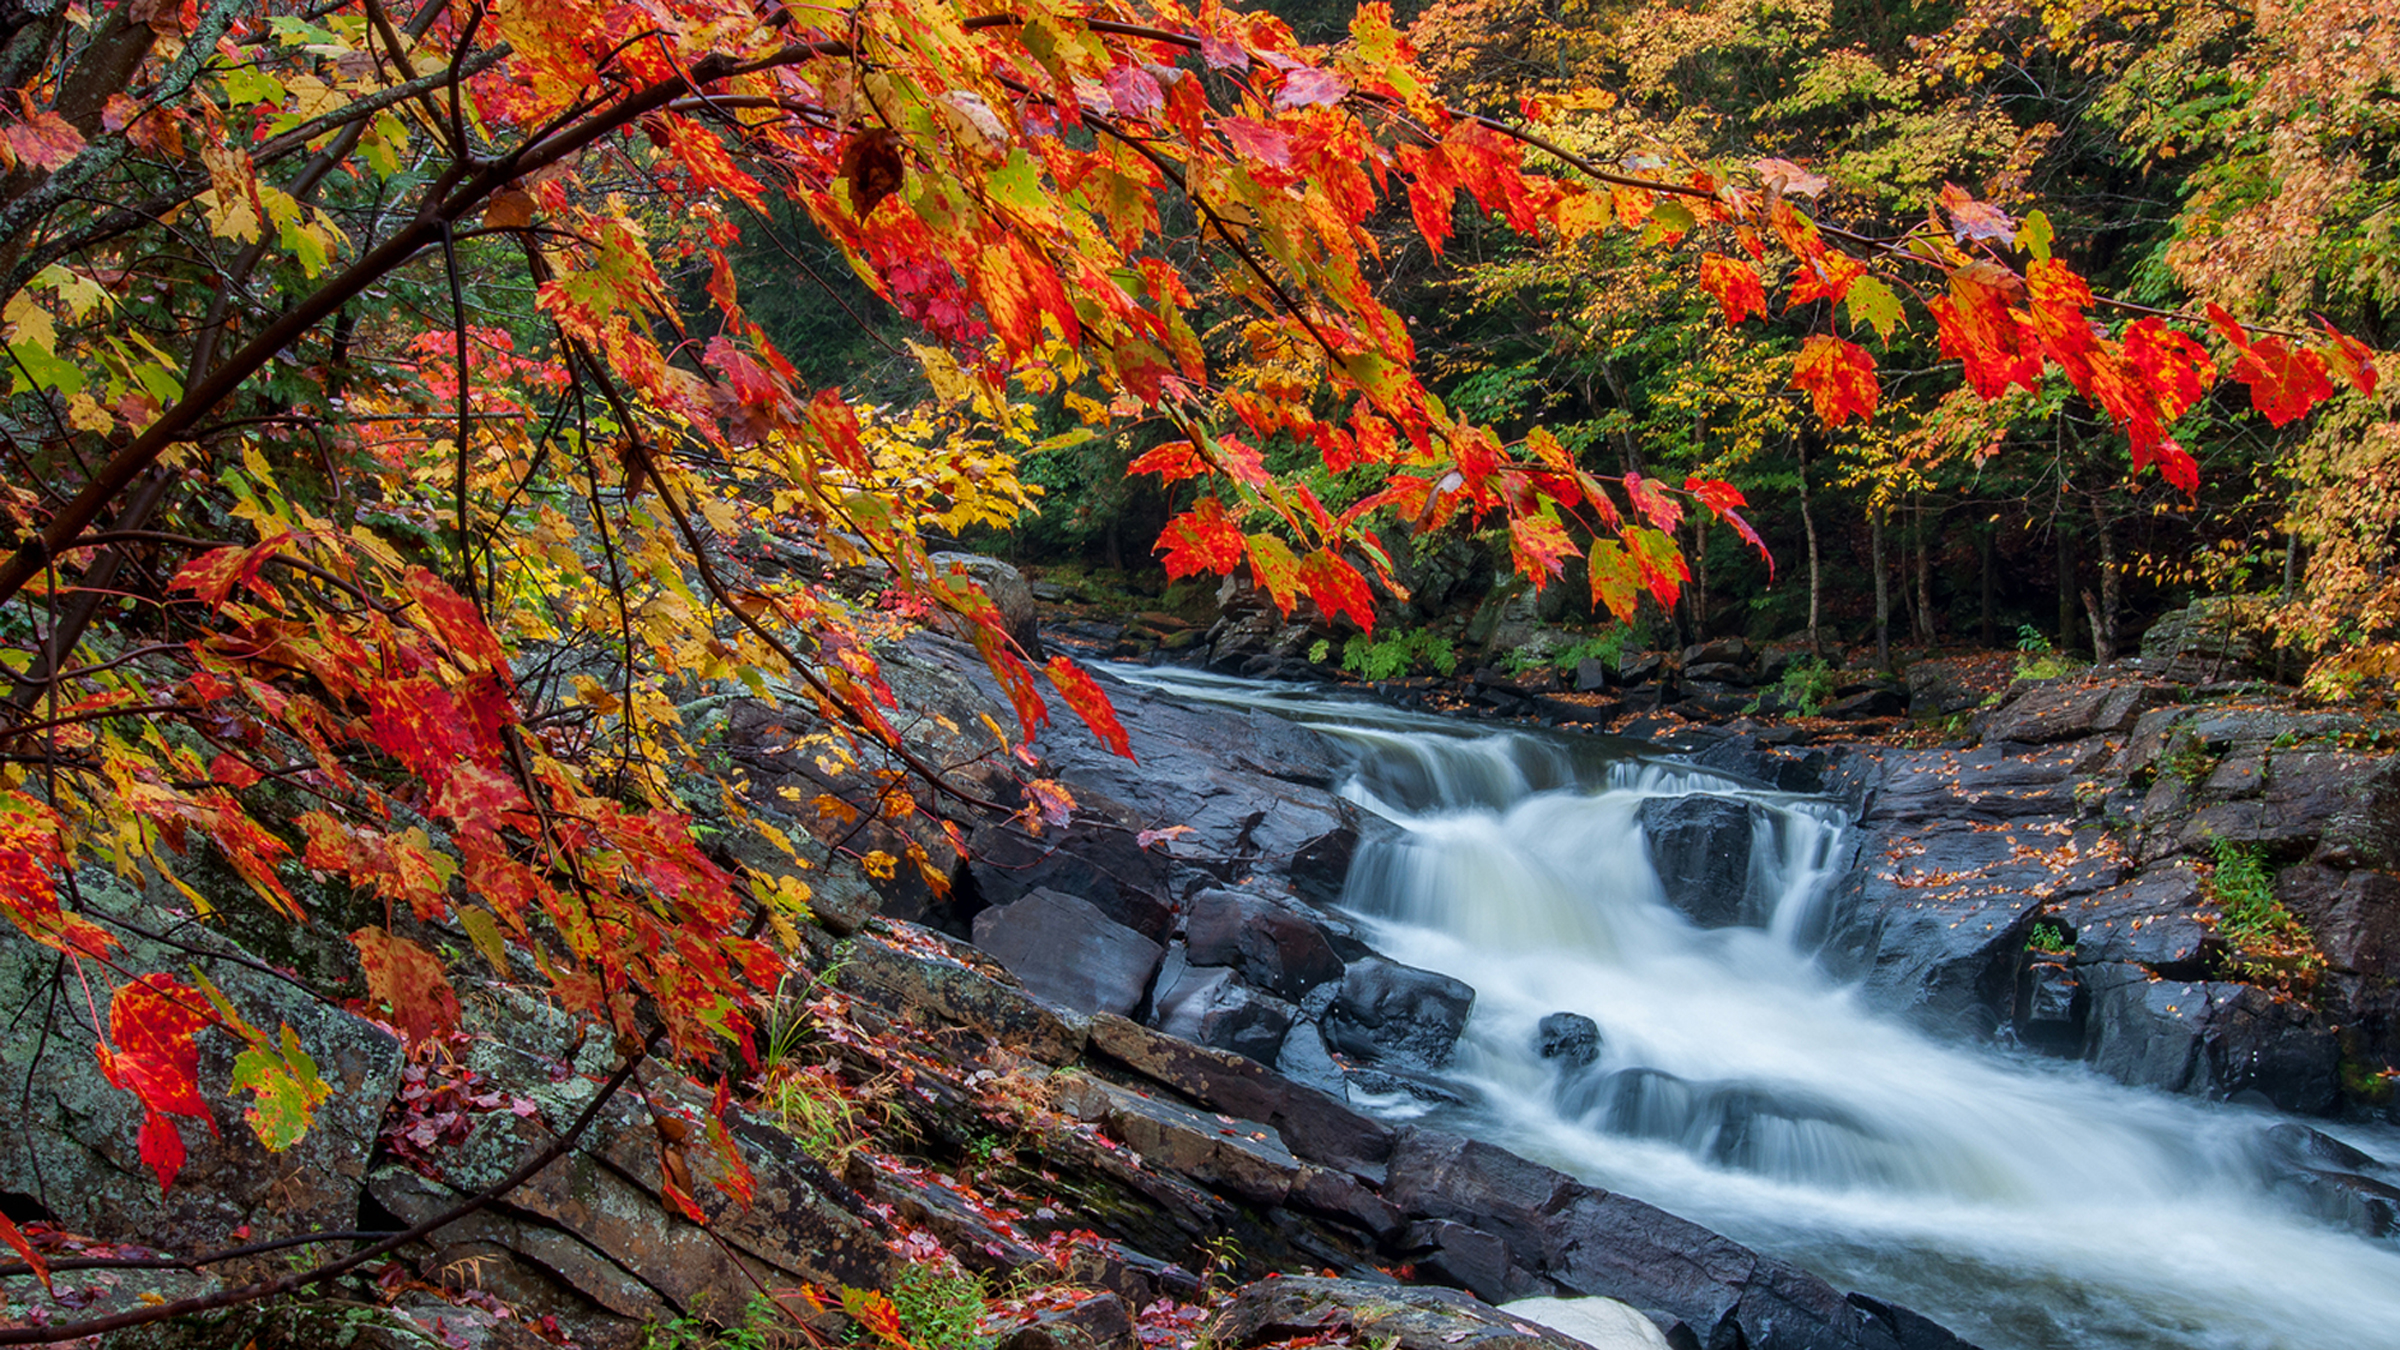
[[2264, 942]]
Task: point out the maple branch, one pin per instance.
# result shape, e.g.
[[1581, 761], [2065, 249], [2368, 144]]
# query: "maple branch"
[[226, 1298]]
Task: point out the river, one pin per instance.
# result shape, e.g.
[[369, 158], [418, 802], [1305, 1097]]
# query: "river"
[[2025, 1202]]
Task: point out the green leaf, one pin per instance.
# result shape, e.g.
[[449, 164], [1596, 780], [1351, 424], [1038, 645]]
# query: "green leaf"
[[1872, 302], [2033, 234], [287, 1090]]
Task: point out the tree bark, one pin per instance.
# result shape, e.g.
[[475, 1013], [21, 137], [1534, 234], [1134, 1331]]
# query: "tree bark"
[[2112, 590], [1883, 590], [1816, 581], [1927, 519], [2066, 581]]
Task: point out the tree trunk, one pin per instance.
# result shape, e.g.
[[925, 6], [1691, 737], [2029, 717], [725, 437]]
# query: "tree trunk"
[[1816, 582], [1986, 544], [1926, 520], [2112, 589], [1883, 591], [2066, 581]]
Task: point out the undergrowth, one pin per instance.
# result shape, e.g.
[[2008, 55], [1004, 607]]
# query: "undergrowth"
[[2264, 942], [1404, 652]]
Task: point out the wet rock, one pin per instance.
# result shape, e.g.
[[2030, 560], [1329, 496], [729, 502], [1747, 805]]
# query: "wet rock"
[[1245, 1158], [1280, 951], [1391, 1316], [2042, 712], [1101, 1322], [1700, 846], [1717, 672], [316, 1324], [1065, 950], [1211, 1006], [2213, 1039], [1731, 651], [2151, 920], [1593, 674], [2051, 1008], [1005, 586], [1101, 864], [1398, 1016], [1312, 1124], [1984, 784], [1947, 686], [1572, 1039], [1881, 701], [960, 986]]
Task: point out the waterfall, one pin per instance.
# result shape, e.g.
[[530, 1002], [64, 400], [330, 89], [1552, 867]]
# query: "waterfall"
[[2027, 1203]]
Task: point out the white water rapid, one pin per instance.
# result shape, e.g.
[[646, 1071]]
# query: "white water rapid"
[[2026, 1203]]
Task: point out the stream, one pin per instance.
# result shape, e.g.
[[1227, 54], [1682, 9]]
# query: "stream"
[[2025, 1202]]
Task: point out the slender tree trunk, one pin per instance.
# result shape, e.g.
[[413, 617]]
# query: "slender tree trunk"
[[1927, 519], [1908, 596], [1986, 544], [1816, 582], [1699, 587], [2112, 590], [2066, 581], [1883, 591]]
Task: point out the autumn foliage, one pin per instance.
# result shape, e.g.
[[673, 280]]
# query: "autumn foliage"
[[392, 444]]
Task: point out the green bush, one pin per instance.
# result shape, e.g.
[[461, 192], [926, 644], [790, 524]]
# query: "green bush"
[[941, 1307], [2049, 937], [1806, 686], [2264, 942], [1404, 652]]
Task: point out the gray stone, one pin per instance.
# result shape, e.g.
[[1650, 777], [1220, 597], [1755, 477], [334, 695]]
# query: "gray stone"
[[1279, 950], [1700, 847], [1395, 1015], [1005, 587], [1065, 950], [1570, 1038], [1209, 1005], [2042, 712]]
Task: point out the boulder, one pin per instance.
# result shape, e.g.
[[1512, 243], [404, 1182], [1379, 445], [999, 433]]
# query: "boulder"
[[2214, 1039], [1572, 1039], [1005, 587], [1392, 1317], [1100, 1322], [2212, 639], [1881, 701], [1312, 1125], [1700, 848], [1099, 862], [1244, 1158], [1281, 951], [1209, 1005], [959, 985], [1399, 1016], [72, 1144], [2043, 712], [1729, 651], [1065, 950]]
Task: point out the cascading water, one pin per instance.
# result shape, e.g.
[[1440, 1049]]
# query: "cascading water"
[[2024, 1202]]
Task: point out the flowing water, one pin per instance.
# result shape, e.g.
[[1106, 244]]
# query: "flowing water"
[[2026, 1203]]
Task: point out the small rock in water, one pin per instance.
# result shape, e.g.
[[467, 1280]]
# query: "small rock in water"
[[1569, 1037]]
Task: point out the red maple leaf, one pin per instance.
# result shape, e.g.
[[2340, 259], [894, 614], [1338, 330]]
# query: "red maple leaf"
[[1203, 539], [1338, 588], [1839, 376], [409, 982], [151, 1022], [1090, 702], [1735, 284]]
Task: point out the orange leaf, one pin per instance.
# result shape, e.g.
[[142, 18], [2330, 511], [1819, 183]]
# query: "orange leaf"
[[1839, 376], [1172, 462], [1721, 499], [1338, 588], [1203, 539], [407, 980], [1540, 547], [1614, 581], [1090, 702], [2349, 358], [1650, 498], [1735, 284]]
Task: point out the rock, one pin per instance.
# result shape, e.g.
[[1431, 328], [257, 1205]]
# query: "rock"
[[1005, 587], [1731, 651], [961, 986], [1278, 950], [2213, 1039], [1601, 1323], [2051, 1008], [1392, 1317], [72, 1142], [1397, 1016], [1312, 1125], [2149, 920], [2042, 712], [319, 1324], [1946, 686], [1593, 674], [1244, 1158], [1881, 701], [1570, 1038], [1065, 950], [1640, 667], [1700, 847], [1098, 863], [1101, 1322], [2213, 638], [1211, 1006], [1717, 672]]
